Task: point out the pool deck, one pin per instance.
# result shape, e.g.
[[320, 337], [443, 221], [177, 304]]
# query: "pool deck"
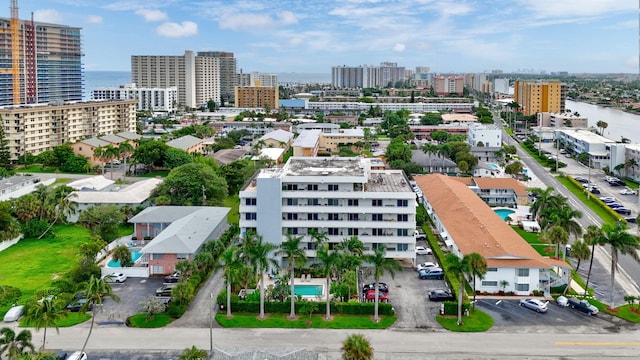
[[298, 281]]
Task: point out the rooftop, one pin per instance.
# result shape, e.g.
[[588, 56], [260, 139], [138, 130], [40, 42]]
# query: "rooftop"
[[323, 166], [9, 182], [91, 183], [586, 136], [114, 139], [95, 142], [278, 135], [184, 142], [307, 138], [135, 193]]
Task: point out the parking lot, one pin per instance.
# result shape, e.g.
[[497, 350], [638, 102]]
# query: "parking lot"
[[131, 293]]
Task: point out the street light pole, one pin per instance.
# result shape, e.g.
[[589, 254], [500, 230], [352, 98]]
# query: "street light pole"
[[589, 181], [211, 325]]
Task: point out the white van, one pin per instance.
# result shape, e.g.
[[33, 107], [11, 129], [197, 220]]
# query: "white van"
[[14, 314], [78, 355]]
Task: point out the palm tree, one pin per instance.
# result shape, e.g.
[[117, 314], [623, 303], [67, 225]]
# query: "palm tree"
[[444, 150], [99, 153], [593, 236], [15, 345], [43, 314], [381, 265], [290, 249], [546, 200], [318, 238], [328, 262], [580, 251], [260, 258], [631, 163], [230, 263], [565, 218], [125, 149], [430, 149], [193, 353], [351, 251], [111, 153], [60, 202], [477, 268], [457, 267], [121, 253], [621, 242], [558, 235], [357, 347], [95, 291]]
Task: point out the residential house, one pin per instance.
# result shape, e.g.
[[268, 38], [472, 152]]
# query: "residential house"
[[277, 139], [15, 186], [86, 148], [433, 163], [188, 143], [507, 192], [307, 143]]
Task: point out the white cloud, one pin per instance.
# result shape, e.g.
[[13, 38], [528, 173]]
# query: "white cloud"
[[255, 23], [93, 19], [287, 17], [574, 8], [184, 29], [399, 47], [152, 15], [48, 15]]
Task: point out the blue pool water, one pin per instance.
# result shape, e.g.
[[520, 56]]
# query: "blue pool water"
[[503, 213], [493, 166], [308, 290], [135, 255]]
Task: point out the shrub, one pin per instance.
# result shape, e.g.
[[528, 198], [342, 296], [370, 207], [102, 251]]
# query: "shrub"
[[451, 307], [34, 228], [176, 310], [9, 295], [336, 308]]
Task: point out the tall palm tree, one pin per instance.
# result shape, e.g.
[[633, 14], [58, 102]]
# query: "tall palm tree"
[[42, 194], [430, 149], [621, 242], [444, 150], [351, 251], [230, 263], [565, 218], [98, 152], [318, 238], [381, 265], [580, 251], [14, 345], [477, 268], [95, 291], [122, 254], [546, 200], [45, 313], [125, 149], [593, 236], [328, 263], [457, 267], [291, 249], [357, 347], [557, 236], [260, 258], [111, 152]]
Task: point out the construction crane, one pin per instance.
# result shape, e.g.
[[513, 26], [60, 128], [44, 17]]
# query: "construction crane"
[[14, 31]]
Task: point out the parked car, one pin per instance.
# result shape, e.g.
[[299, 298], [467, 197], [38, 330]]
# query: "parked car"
[[441, 295], [173, 278], [630, 219], [608, 199], [382, 287], [14, 314], [425, 265], [371, 296], [114, 162], [622, 211], [562, 301], [615, 205], [628, 191], [78, 304], [242, 294], [421, 250], [595, 191], [420, 235], [534, 304], [583, 305], [78, 355], [115, 277], [164, 290], [431, 274]]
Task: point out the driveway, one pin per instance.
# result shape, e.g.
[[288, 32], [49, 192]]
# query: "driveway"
[[131, 293]]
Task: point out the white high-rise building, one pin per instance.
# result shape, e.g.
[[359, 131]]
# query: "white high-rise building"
[[155, 99], [490, 135], [342, 197], [258, 79]]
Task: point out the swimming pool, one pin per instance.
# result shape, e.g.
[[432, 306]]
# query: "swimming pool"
[[503, 213], [308, 290], [493, 166], [135, 255]]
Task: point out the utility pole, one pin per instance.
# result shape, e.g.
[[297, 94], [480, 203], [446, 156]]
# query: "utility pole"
[[204, 197], [211, 326]]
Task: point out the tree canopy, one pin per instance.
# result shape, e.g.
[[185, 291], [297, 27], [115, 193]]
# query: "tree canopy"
[[192, 184]]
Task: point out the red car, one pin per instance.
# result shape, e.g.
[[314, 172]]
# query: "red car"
[[371, 295]]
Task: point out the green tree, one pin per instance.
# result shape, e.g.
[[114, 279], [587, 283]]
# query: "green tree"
[[192, 183], [291, 250], [96, 290], [9, 226], [231, 264], [122, 254], [5, 155], [440, 136], [546, 200], [477, 268], [431, 118], [15, 345], [125, 149], [174, 158], [579, 251], [557, 236], [98, 152], [150, 153], [45, 313], [260, 257], [514, 168], [381, 265], [457, 267], [430, 149], [357, 347], [328, 262], [621, 242], [151, 306], [193, 353], [102, 220]]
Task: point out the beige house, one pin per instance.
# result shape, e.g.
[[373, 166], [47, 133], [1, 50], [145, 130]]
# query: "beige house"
[[188, 143], [86, 148], [331, 142], [277, 139]]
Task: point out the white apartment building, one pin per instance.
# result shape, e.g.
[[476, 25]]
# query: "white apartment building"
[[490, 135], [413, 107], [621, 154], [155, 99], [258, 79], [341, 197], [37, 128], [584, 141]]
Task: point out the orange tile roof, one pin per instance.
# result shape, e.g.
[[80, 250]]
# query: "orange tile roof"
[[502, 183], [474, 227]]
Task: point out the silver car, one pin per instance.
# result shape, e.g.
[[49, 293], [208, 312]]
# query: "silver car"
[[534, 304]]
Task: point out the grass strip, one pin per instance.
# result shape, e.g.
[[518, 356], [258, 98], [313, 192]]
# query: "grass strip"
[[250, 320]]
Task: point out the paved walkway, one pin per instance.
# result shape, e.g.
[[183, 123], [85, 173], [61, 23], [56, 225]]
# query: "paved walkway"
[[203, 307]]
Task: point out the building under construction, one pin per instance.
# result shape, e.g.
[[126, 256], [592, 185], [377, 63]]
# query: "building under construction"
[[49, 66]]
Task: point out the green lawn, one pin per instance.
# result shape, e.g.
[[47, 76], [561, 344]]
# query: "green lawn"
[[234, 203], [140, 321], [70, 319], [31, 263], [477, 321], [594, 206], [245, 320], [161, 173], [622, 311], [37, 168], [542, 246]]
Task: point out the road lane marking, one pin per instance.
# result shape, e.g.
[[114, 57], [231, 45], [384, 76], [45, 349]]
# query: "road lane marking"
[[599, 343]]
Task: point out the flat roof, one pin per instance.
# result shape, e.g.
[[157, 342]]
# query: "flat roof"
[[135, 193], [323, 166], [307, 138], [587, 136]]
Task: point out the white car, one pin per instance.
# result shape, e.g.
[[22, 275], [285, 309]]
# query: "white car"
[[115, 277], [562, 301], [425, 265], [628, 192], [421, 250]]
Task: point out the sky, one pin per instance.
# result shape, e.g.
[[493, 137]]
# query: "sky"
[[311, 36]]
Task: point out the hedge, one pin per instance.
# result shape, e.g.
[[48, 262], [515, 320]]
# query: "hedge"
[[451, 308], [336, 308]]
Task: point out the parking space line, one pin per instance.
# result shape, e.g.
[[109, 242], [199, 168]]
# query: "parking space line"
[[599, 343]]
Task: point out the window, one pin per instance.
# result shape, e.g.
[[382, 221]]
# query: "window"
[[156, 256], [250, 201], [352, 232], [353, 217], [376, 217], [378, 232], [489, 283], [333, 231], [293, 231], [157, 269], [353, 202], [312, 187], [333, 216], [333, 187], [293, 202], [292, 186], [182, 256], [403, 247], [376, 202], [250, 216], [492, 269], [292, 216], [522, 287], [523, 272], [313, 216], [403, 232], [403, 203], [333, 202], [312, 202], [403, 217]]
